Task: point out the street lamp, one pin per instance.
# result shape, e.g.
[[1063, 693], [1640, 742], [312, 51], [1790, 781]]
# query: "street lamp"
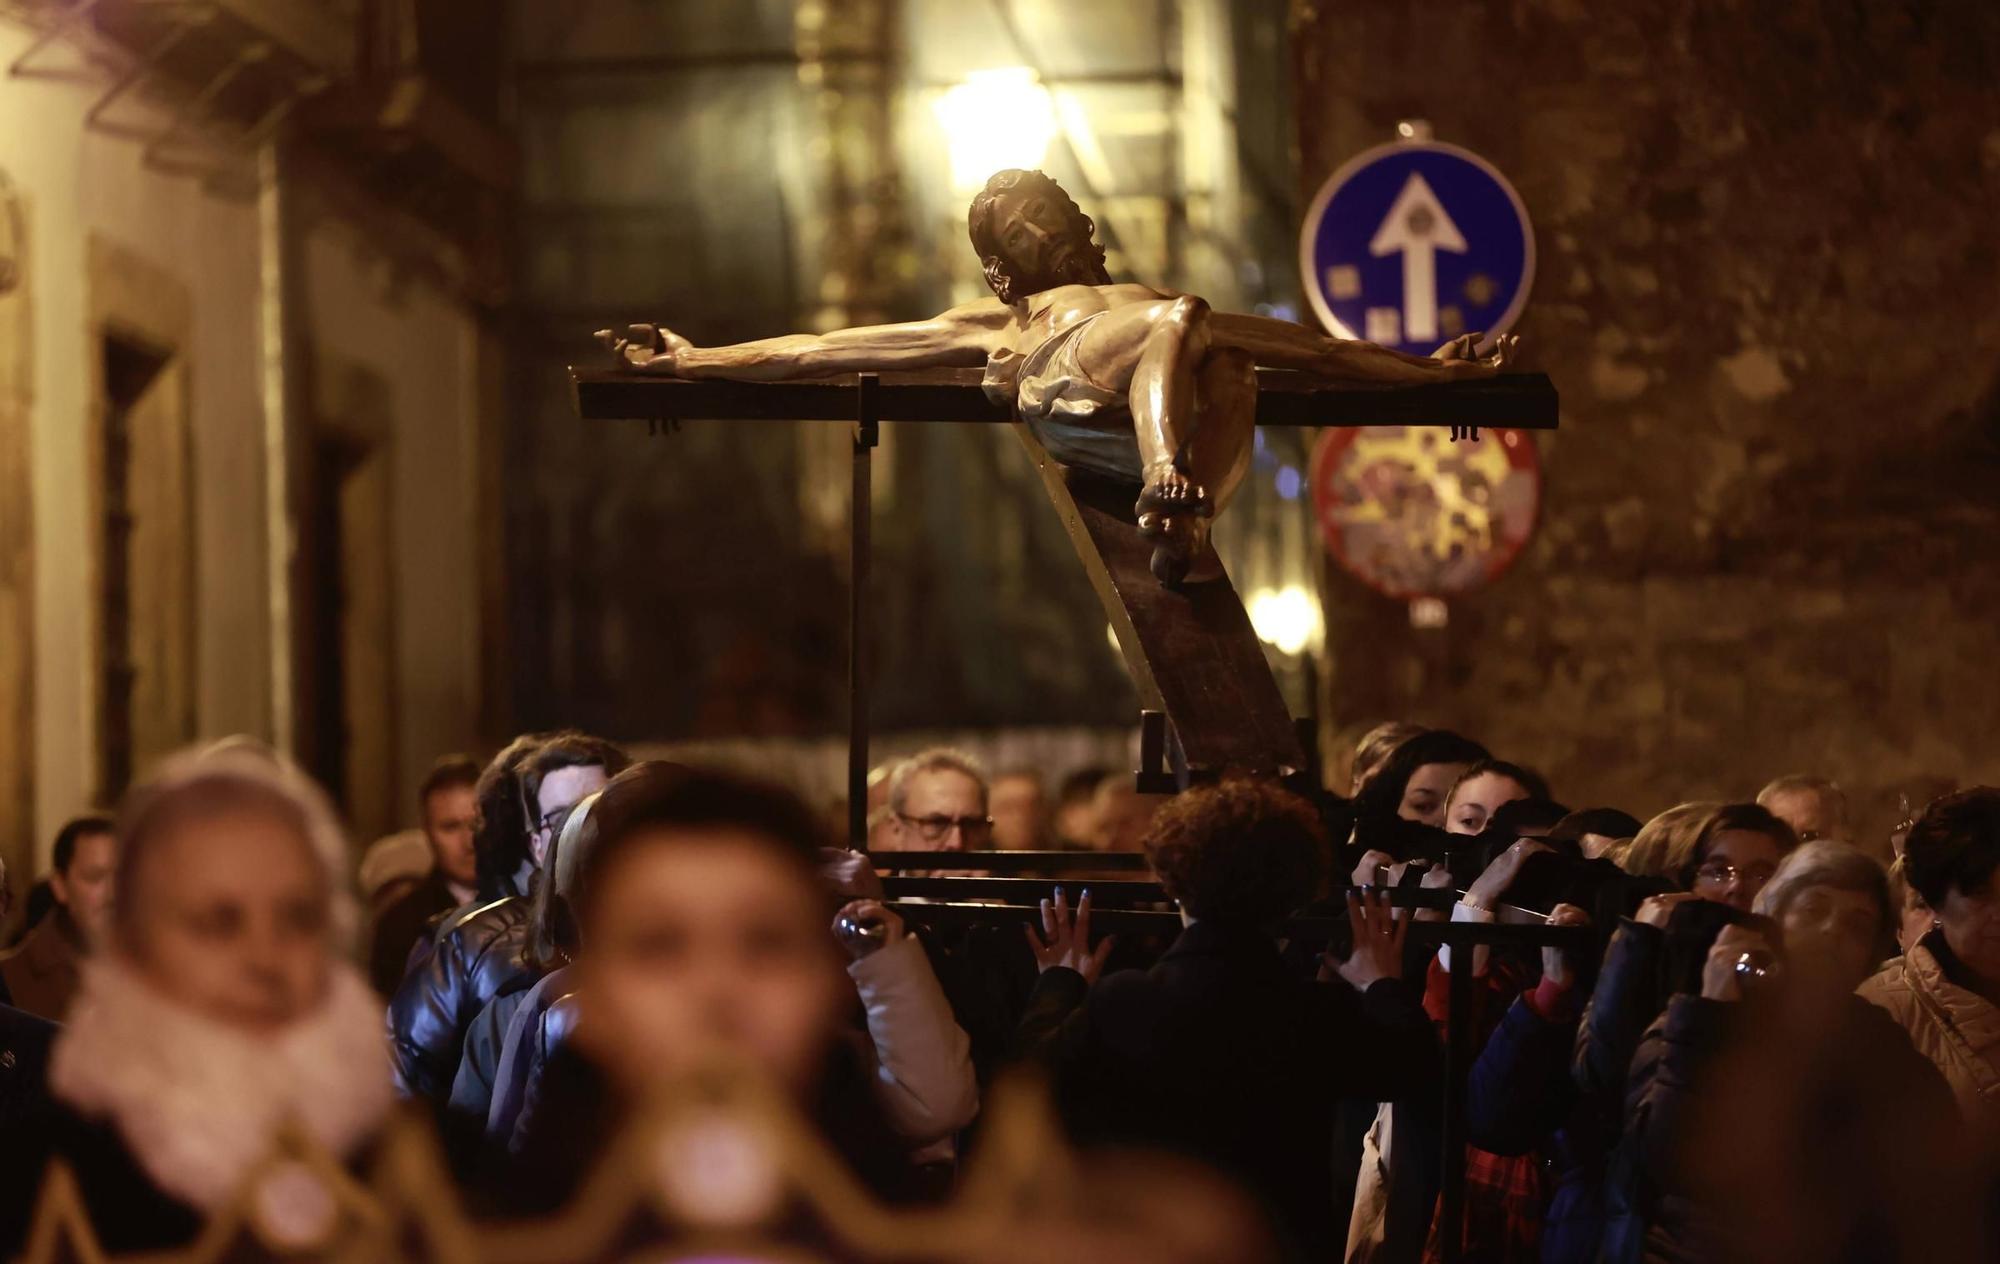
[[1287, 618], [996, 119]]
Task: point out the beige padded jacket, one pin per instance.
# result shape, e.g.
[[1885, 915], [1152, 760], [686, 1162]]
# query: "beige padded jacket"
[[1954, 1027]]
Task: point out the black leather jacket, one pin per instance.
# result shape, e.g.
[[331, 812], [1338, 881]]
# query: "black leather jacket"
[[478, 956]]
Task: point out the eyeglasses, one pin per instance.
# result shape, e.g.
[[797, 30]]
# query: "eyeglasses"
[[1720, 874], [935, 828], [552, 821]]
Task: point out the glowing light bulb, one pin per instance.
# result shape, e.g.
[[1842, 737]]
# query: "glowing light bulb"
[[1287, 618], [996, 119]]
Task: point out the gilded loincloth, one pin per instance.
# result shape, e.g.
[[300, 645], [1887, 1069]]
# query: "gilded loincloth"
[[1081, 423]]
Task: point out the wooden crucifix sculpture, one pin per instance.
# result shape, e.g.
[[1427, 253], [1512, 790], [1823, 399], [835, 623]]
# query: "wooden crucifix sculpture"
[[1139, 384], [1118, 390]]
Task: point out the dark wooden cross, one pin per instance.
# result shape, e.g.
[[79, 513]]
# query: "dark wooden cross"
[[1207, 697]]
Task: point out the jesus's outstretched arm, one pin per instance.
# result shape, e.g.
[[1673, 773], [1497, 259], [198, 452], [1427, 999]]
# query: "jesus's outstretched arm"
[[962, 336], [1283, 344]]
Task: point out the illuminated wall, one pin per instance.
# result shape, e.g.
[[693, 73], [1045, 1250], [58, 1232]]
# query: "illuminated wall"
[[163, 262]]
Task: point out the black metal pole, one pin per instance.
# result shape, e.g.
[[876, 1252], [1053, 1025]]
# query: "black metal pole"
[[861, 502], [1457, 1065]]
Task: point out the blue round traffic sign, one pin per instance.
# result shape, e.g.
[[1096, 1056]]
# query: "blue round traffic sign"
[[1414, 243]]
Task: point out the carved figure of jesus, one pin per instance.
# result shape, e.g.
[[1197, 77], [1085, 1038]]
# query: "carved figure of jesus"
[[1144, 385]]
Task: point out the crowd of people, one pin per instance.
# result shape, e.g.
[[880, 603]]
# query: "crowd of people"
[[1755, 1039]]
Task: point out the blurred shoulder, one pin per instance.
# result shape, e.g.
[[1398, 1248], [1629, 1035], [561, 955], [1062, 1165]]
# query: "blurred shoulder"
[[1892, 989]]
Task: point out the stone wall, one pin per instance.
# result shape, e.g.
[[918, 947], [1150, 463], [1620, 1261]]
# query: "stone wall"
[[1767, 291]]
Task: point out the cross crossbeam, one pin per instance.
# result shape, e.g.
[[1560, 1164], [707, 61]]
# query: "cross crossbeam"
[[1517, 401]]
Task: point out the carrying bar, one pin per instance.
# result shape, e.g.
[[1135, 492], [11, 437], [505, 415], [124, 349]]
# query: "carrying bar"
[[1515, 401]]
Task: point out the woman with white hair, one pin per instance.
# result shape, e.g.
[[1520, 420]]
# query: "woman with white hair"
[[1775, 1114], [221, 1010]]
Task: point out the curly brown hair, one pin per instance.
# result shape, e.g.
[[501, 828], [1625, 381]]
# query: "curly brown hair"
[[1955, 845], [1242, 851]]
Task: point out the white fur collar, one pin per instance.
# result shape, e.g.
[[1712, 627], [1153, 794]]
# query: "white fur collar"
[[199, 1102]]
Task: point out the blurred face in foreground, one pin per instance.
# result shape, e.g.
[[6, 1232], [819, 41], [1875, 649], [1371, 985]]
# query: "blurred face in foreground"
[[1076, 820], [1832, 936], [703, 944], [228, 917], [1018, 813], [1124, 815]]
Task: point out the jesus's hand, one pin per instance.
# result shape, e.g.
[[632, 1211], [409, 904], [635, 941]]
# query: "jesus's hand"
[[1461, 353], [648, 348], [1463, 347]]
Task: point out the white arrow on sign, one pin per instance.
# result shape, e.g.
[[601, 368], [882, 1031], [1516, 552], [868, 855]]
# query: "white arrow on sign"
[[1417, 225]]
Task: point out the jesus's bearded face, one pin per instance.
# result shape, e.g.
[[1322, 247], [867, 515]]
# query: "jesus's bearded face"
[[1038, 241]]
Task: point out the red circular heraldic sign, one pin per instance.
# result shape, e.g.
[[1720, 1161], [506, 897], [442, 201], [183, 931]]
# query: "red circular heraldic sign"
[[1412, 514]]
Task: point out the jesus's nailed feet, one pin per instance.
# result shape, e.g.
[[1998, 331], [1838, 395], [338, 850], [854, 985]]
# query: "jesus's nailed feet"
[[1170, 565], [1169, 493], [1180, 544]]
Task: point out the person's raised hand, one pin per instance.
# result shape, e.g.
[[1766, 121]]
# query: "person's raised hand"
[[1372, 862], [1435, 878], [1718, 973], [866, 926], [850, 873], [1556, 966], [1068, 942], [1488, 887], [1658, 910], [1378, 940]]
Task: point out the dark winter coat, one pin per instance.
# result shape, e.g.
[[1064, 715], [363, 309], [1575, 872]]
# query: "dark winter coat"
[[540, 1024], [480, 955], [1627, 998], [399, 928], [127, 1210], [1861, 1083], [44, 971], [1223, 1053], [27, 1113], [1520, 1099]]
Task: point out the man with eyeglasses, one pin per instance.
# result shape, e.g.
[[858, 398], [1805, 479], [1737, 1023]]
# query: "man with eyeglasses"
[[937, 802], [480, 953]]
